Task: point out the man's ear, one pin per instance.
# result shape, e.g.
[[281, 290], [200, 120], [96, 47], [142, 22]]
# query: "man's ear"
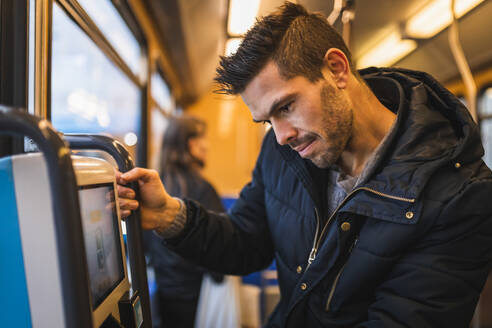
[[335, 63]]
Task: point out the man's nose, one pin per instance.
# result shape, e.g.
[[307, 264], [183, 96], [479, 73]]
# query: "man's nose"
[[284, 131]]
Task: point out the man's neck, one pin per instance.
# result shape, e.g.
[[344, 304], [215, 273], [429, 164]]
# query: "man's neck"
[[371, 122]]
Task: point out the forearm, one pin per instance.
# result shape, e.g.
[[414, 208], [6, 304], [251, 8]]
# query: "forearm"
[[213, 241], [177, 224]]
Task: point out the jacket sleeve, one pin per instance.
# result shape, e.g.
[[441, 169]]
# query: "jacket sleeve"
[[210, 199], [238, 242], [439, 281]]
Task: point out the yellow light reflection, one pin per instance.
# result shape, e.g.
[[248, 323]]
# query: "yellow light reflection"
[[436, 16], [242, 15], [387, 52], [232, 45]]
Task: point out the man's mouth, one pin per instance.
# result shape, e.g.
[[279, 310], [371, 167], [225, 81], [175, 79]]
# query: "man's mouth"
[[304, 148]]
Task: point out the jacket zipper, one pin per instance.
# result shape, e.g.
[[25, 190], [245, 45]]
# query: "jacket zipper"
[[312, 254], [317, 240], [335, 282]]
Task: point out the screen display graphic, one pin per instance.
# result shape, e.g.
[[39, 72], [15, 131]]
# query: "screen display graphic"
[[102, 240]]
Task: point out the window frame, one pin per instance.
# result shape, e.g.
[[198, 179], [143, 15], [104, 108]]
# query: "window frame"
[[77, 14], [14, 32], [159, 71], [13, 52]]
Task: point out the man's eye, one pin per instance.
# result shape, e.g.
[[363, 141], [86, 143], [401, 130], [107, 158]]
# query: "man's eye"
[[285, 108]]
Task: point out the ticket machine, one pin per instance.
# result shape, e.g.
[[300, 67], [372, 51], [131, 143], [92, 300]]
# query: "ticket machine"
[[61, 248]]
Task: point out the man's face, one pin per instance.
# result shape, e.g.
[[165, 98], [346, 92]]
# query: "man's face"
[[314, 119]]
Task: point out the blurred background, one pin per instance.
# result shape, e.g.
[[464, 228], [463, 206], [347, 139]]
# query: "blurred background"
[[123, 67]]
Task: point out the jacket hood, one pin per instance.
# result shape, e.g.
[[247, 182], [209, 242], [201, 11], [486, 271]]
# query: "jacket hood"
[[433, 128], [437, 97]]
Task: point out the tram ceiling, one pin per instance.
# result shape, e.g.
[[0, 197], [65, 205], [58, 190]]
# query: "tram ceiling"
[[194, 32]]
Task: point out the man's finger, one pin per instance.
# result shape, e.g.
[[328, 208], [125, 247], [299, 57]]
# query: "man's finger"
[[125, 192], [118, 175], [125, 213], [128, 204], [138, 173]]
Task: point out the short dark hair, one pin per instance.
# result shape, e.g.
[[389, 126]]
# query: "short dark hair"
[[293, 38]]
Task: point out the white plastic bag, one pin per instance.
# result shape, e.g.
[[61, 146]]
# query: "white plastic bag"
[[218, 305]]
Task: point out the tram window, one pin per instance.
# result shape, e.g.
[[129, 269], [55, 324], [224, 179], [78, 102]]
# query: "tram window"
[[160, 93], [485, 113], [89, 93], [158, 126], [114, 28], [486, 103]]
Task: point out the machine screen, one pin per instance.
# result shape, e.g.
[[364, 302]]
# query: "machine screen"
[[102, 240]]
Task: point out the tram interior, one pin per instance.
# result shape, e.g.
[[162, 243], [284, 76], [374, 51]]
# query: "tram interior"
[[123, 67]]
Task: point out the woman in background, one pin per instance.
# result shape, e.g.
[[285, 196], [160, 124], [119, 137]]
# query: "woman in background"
[[183, 155]]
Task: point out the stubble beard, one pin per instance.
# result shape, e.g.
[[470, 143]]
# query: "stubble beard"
[[337, 123]]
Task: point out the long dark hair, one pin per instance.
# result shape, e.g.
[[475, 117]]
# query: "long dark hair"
[[177, 163]]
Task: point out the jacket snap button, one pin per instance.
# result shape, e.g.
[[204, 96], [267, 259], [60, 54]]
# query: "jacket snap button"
[[457, 165], [303, 286], [409, 215], [299, 269], [345, 226]]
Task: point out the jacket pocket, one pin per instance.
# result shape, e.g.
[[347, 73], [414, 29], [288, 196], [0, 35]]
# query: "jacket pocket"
[[338, 275], [333, 288], [357, 280]]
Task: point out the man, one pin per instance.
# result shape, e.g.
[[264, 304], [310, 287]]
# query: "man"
[[370, 192]]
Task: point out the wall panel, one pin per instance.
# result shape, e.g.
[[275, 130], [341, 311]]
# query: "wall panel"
[[234, 141]]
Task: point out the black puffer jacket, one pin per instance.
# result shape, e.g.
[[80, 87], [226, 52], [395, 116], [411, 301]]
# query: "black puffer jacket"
[[411, 247]]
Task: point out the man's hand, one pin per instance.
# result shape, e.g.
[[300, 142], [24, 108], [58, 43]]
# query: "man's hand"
[[157, 208]]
